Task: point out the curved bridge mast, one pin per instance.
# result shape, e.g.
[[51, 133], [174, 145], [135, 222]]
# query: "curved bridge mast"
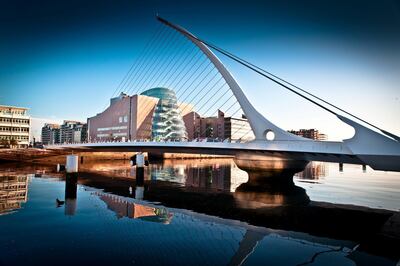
[[380, 151], [259, 124]]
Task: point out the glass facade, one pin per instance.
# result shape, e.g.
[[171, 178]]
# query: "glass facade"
[[167, 123]]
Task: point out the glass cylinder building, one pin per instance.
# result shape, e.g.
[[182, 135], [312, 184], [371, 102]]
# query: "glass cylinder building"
[[167, 123]]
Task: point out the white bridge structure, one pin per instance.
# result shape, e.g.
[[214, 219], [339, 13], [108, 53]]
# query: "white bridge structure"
[[380, 150]]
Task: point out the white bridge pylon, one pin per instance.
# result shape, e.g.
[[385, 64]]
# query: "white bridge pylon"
[[258, 123], [380, 151], [375, 149]]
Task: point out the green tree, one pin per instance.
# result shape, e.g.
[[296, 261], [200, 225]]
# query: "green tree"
[[209, 131]]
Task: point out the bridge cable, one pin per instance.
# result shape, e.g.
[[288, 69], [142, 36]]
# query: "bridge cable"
[[146, 66], [142, 66], [177, 66], [223, 94], [266, 73], [149, 102], [162, 67], [153, 66], [170, 71], [192, 76], [200, 91], [138, 71], [211, 96], [194, 89], [181, 86], [194, 81], [167, 82], [135, 64]]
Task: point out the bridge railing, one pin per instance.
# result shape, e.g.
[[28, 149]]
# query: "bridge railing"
[[150, 140]]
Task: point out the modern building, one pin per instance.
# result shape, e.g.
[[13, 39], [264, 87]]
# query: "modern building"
[[14, 126], [79, 133], [154, 114], [167, 122], [237, 129], [50, 134], [73, 132], [218, 127], [69, 132], [310, 134]]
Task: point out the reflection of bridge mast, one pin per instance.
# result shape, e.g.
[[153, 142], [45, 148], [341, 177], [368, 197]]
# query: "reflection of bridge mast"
[[13, 192], [247, 246]]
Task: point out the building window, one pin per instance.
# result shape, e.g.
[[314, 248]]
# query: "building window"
[[120, 119], [126, 119]]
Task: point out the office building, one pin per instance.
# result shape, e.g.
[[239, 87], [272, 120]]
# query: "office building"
[[154, 114], [219, 127], [14, 126], [310, 134], [50, 134], [79, 133], [72, 132]]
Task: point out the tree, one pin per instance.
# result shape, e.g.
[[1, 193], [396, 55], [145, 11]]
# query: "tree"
[[13, 142], [209, 131], [4, 143]]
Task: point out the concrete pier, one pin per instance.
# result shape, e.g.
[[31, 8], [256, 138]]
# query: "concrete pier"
[[72, 164], [71, 186], [140, 163]]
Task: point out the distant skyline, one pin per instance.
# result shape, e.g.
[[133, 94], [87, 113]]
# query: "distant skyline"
[[64, 59]]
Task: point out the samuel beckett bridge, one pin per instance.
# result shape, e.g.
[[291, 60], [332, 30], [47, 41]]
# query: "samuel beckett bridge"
[[180, 86]]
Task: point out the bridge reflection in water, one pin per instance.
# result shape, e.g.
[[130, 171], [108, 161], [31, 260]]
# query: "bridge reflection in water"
[[266, 197], [242, 200]]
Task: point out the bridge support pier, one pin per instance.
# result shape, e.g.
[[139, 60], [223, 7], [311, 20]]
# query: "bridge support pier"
[[265, 162], [72, 163], [140, 163], [71, 185]]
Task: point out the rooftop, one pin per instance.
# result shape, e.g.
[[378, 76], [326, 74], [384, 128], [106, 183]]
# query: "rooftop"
[[12, 107]]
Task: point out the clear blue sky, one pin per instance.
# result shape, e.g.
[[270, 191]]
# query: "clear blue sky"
[[64, 59]]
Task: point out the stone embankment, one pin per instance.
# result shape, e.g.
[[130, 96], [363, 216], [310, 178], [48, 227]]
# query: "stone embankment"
[[46, 156]]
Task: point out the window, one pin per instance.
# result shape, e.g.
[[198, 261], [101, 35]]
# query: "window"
[[126, 119], [120, 119]]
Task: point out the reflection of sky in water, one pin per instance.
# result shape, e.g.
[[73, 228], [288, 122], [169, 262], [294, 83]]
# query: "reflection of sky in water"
[[43, 233], [322, 181], [376, 189]]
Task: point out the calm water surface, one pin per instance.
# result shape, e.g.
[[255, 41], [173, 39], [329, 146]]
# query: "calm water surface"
[[206, 212]]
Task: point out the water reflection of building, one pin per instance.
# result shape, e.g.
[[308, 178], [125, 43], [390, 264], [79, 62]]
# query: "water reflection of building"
[[210, 176], [220, 174], [225, 176], [313, 171], [13, 192], [175, 173], [124, 208]]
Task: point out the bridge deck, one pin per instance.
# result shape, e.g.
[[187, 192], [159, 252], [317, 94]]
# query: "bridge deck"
[[301, 150]]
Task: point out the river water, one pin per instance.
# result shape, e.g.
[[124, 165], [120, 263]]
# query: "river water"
[[197, 212]]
